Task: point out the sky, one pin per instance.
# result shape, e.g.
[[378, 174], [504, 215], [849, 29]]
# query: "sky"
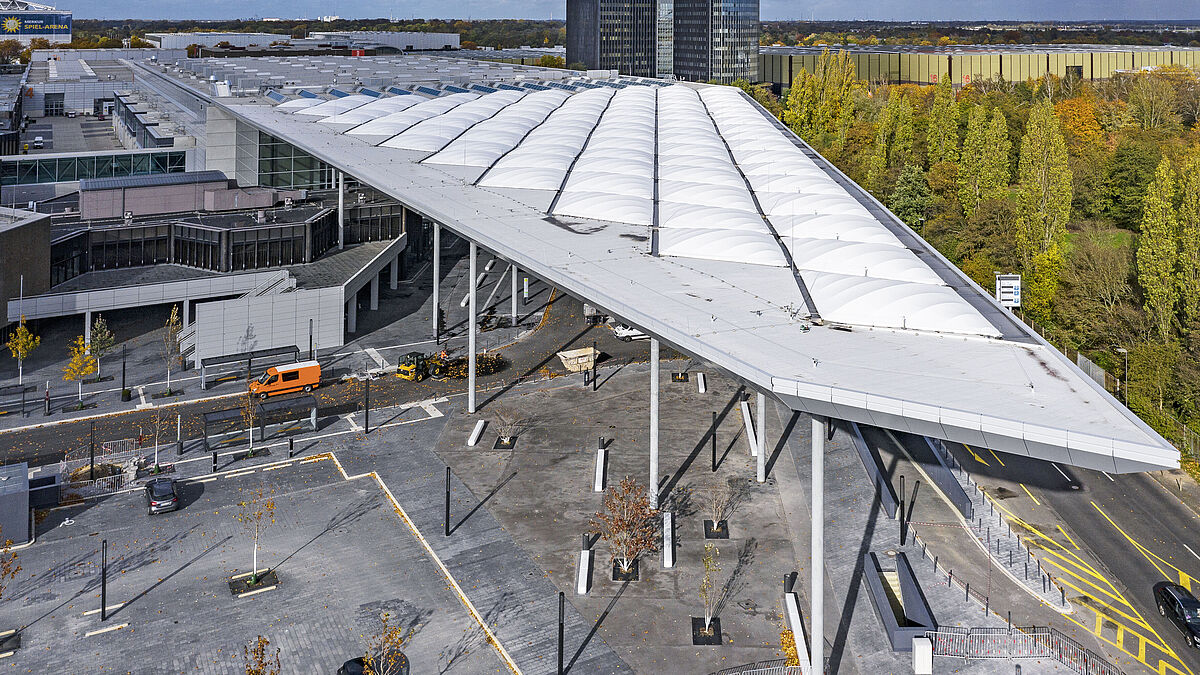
[[889, 10]]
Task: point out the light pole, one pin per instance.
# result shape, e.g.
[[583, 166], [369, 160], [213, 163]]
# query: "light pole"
[[1125, 388]]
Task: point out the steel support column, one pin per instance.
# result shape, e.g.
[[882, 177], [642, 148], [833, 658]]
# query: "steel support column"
[[654, 423], [352, 314], [394, 273], [375, 292], [471, 329], [514, 294], [761, 434], [437, 280], [817, 553], [341, 188]]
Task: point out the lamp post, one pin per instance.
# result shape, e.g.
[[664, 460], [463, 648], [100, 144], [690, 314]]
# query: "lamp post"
[[1125, 388]]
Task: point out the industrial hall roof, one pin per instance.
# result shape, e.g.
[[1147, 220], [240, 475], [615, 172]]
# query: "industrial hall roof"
[[690, 212]]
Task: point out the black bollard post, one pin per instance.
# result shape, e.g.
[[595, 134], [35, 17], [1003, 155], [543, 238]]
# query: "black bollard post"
[[367, 407], [595, 358], [447, 501], [714, 442], [47, 411], [123, 355], [104, 580], [291, 448], [214, 458], [22, 402], [562, 600], [92, 451]]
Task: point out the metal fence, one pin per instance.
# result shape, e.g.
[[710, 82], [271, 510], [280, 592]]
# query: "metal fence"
[[1027, 642], [93, 488], [1093, 371]]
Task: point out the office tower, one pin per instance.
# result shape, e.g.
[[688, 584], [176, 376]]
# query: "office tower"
[[619, 35], [716, 40]]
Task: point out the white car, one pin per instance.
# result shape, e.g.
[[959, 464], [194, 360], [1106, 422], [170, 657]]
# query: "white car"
[[627, 333]]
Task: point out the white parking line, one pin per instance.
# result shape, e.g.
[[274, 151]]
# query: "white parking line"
[[261, 590], [97, 610], [353, 425], [240, 473], [1108, 476], [1060, 471], [1189, 548], [431, 410]]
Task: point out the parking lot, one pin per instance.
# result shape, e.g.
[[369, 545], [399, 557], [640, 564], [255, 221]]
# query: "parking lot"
[[341, 554]]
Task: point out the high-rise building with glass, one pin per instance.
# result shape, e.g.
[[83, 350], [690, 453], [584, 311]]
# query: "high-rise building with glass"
[[715, 40], [619, 35]]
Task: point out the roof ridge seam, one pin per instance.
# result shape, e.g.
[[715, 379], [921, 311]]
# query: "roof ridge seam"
[[582, 148]]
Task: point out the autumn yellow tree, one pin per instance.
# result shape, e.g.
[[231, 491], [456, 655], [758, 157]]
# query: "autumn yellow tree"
[[21, 343], [1044, 207], [81, 364]]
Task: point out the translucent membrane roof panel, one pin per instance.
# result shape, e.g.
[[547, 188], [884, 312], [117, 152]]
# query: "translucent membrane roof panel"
[[336, 106], [489, 140], [887, 303], [541, 159], [371, 111], [860, 259], [613, 176], [855, 268], [390, 125], [843, 228], [676, 215], [754, 247], [299, 104], [436, 132]]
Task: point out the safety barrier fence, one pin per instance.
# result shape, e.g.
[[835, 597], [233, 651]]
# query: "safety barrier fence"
[[1023, 642]]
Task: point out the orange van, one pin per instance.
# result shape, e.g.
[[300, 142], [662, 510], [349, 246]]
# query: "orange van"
[[302, 376]]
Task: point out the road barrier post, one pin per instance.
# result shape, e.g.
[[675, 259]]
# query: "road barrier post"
[[447, 501]]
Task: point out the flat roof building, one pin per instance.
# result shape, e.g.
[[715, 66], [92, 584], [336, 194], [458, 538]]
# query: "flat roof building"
[[964, 64]]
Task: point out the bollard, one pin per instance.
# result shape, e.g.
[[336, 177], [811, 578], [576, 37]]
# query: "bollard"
[[668, 526], [967, 591], [476, 433], [179, 448], [214, 469], [987, 604], [1063, 592], [447, 501], [291, 448], [598, 480], [1010, 560], [1026, 571], [104, 580], [561, 612], [714, 442], [701, 383]]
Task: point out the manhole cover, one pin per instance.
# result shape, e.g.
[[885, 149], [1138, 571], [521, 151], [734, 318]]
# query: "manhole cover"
[[891, 552]]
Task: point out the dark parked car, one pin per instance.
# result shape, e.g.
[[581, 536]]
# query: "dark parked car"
[[1182, 608], [161, 496]]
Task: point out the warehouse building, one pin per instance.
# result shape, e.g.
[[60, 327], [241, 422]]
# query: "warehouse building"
[[964, 64]]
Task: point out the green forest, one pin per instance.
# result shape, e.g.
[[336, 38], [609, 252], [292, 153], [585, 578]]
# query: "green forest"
[[1089, 190], [960, 33]]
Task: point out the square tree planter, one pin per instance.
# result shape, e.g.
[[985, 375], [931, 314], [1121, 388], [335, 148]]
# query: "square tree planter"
[[505, 443], [720, 530], [710, 637], [241, 585], [619, 574]]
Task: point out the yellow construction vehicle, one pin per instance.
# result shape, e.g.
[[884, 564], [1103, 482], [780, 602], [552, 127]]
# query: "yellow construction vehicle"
[[415, 366]]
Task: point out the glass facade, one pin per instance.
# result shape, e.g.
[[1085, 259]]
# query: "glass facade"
[[30, 170], [716, 40], [282, 165], [221, 249], [619, 35]]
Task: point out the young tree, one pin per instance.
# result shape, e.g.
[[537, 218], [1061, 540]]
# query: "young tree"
[[816, 100], [1153, 102], [161, 424], [8, 565], [10, 50], [383, 656], [983, 173], [249, 409], [22, 343], [942, 139], [1157, 252], [102, 342], [911, 200], [258, 660], [885, 128], [707, 587], [1043, 207], [255, 514], [81, 364], [626, 523], [170, 342], [1187, 279]]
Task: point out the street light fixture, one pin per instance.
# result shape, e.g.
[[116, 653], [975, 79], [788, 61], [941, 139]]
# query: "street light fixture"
[[1125, 388]]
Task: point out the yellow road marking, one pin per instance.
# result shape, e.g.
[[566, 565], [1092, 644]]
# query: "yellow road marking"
[[996, 456], [1185, 579], [1064, 533], [1070, 558], [454, 586], [1035, 499], [977, 457]]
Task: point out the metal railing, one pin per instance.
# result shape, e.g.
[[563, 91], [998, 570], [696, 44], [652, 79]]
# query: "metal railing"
[[1027, 642], [772, 667]]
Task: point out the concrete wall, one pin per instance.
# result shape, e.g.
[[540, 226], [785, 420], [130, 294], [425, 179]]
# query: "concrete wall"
[[280, 320], [24, 250], [108, 54], [183, 40], [97, 204], [78, 96]]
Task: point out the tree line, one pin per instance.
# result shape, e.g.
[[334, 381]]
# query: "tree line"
[[793, 33], [1089, 190]]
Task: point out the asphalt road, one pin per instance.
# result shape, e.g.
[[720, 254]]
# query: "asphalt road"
[[563, 328], [1140, 533]]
